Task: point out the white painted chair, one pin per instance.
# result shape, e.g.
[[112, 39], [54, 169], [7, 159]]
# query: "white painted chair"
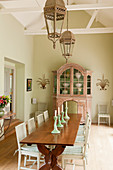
[[82, 128], [46, 115], [103, 113], [32, 128], [40, 119], [78, 151], [25, 149], [82, 137], [31, 125]]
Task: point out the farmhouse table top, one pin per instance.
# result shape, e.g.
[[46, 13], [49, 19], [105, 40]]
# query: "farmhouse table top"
[[43, 136], [67, 135]]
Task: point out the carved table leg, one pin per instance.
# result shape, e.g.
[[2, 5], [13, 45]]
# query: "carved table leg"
[[51, 157]]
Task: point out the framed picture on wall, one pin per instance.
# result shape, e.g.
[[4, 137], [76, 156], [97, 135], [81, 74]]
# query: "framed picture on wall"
[[29, 84]]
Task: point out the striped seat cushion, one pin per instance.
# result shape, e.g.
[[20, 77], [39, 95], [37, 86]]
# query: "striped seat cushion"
[[32, 148], [80, 139], [73, 150]]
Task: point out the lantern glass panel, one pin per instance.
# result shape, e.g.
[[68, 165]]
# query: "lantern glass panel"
[[71, 49], [54, 26], [67, 48], [50, 24]]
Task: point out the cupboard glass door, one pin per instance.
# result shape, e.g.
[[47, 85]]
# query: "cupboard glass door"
[[65, 82]]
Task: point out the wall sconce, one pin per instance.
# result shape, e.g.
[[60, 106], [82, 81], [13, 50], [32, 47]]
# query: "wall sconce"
[[112, 102], [43, 82], [103, 83]]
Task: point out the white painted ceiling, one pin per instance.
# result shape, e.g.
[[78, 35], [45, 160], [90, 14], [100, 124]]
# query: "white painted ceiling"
[[30, 13]]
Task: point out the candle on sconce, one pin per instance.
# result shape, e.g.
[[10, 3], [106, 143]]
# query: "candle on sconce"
[[66, 104], [58, 110], [55, 113], [62, 108]]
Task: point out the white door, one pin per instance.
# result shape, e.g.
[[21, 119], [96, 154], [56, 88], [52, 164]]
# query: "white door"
[[7, 86]]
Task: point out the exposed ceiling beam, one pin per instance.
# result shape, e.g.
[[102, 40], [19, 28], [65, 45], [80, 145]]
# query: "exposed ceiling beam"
[[69, 8], [92, 19], [11, 10], [75, 31], [89, 7]]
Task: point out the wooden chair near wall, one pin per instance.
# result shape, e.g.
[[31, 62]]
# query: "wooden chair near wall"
[[26, 150]]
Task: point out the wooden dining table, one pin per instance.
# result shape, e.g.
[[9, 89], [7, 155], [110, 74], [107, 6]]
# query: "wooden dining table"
[[42, 136]]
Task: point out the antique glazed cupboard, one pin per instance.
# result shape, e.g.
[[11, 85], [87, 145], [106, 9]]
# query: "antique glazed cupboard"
[[71, 82]]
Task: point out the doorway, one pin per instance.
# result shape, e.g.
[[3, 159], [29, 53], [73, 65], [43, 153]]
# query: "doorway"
[[9, 86]]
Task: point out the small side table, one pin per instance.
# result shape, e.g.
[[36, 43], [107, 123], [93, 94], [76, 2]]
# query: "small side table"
[[100, 115], [2, 132]]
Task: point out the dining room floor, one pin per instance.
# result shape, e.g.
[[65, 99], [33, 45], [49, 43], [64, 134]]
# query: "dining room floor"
[[100, 153]]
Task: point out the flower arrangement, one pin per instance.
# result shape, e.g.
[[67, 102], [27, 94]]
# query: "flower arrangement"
[[4, 100]]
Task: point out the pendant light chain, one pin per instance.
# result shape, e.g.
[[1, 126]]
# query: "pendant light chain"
[[67, 17], [67, 30], [67, 41]]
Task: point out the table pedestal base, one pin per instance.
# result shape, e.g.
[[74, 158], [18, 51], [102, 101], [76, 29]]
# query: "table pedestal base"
[[51, 157]]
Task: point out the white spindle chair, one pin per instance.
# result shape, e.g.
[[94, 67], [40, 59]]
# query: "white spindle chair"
[[25, 149], [78, 151], [84, 125], [82, 128], [103, 113], [81, 137], [40, 119], [46, 115], [31, 128]]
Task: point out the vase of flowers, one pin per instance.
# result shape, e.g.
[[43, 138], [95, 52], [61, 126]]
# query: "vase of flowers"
[[4, 100]]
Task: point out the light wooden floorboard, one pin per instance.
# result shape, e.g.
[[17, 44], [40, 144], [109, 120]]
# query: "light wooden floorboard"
[[100, 154]]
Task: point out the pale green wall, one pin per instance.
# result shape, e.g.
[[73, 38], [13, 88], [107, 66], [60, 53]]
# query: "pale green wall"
[[93, 52], [15, 46]]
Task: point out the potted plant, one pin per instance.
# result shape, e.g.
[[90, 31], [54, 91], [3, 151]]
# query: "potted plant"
[[4, 100]]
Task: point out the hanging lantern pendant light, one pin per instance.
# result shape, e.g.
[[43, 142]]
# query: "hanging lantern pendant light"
[[67, 42], [54, 13]]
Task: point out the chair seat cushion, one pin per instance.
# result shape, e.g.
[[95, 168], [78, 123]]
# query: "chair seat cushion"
[[80, 139], [103, 115], [73, 150], [80, 132], [32, 148]]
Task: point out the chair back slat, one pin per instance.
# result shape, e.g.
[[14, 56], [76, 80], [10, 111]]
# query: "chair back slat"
[[40, 119], [103, 108], [31, 125], [46, 115]]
